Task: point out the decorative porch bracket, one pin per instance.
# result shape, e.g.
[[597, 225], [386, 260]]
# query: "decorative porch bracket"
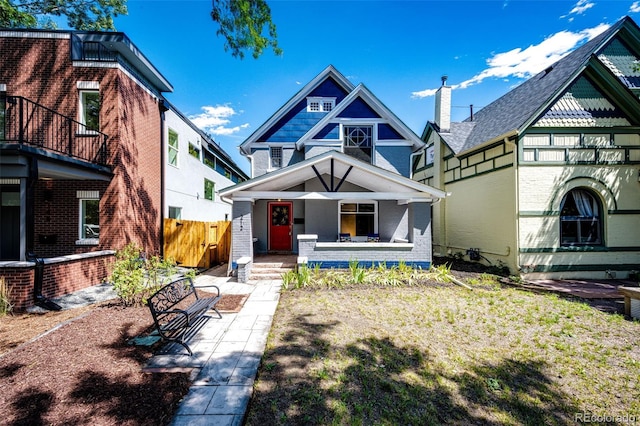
[[326, 187]]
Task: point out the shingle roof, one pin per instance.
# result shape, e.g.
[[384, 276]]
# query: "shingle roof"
[[517, 108]]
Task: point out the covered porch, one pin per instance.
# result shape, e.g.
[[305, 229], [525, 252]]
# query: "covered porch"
[[329, 210], [52, 172]]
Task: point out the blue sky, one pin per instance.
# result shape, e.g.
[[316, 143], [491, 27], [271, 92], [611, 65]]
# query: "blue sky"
[[398, 49]]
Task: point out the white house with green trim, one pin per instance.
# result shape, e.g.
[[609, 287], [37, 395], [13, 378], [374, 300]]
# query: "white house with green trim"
[[546, 179]]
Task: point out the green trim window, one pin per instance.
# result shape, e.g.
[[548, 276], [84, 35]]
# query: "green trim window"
[[173, 148], [209, 189], [90, 109], [580, 219]]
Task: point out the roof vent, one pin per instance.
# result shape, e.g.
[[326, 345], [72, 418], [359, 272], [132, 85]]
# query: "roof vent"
[[444, 80], [547, 70]]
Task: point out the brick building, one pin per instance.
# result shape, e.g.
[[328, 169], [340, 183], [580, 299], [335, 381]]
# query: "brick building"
[[81, 156]]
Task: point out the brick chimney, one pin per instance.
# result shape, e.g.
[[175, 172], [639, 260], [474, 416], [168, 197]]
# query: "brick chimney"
[[443, 106]]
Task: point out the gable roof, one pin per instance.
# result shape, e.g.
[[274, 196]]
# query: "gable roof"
[[382, 183], [376, 108], [329, 72], [517, 109]]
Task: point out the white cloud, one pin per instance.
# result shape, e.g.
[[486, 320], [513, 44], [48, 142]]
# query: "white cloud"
[[635, 7], [524, 63], [216, 120], [579, 8]]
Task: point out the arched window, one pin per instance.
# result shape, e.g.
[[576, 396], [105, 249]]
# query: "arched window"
[[580, 219]]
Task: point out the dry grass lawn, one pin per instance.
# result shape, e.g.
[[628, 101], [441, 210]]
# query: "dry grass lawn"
[[441, 354]]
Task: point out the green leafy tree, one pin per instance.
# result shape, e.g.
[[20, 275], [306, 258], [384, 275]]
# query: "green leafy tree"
[[87, 15], [246, 25]]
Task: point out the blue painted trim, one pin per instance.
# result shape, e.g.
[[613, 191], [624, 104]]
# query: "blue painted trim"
[[341, 264]]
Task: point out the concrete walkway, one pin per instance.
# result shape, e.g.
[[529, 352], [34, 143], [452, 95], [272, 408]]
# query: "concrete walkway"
[[226, 354]]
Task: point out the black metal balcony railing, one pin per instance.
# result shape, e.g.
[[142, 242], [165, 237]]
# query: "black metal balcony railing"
[[26, 122], [95, 51]]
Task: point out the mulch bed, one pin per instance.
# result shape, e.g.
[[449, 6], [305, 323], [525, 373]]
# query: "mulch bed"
[[230, 303], [86, 372]]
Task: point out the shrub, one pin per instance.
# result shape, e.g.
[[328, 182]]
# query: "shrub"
[[135, 278], [301, 277], [5, 302]]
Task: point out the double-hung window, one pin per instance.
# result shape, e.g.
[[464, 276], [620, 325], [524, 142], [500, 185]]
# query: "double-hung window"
[[358, 142], [173, 148], [275, 153], [359, 219]]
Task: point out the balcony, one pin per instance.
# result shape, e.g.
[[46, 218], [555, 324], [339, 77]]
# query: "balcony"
[[26, 123]]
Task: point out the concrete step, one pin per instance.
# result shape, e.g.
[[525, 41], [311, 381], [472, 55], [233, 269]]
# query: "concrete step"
[[270, 271], [273, 265]]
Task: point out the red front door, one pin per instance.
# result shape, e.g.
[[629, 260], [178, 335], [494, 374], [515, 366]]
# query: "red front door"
[[280, 226]]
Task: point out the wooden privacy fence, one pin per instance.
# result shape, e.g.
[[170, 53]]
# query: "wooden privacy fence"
[[197, 244]]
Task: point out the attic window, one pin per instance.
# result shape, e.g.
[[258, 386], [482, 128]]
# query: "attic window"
[[319, 104]]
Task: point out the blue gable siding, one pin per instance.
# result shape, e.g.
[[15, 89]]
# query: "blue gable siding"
[[330, 131], [359, 109], [297, 122], [386, 131]]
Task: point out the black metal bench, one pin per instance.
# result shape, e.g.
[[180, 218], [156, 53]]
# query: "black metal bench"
[[176, 309]]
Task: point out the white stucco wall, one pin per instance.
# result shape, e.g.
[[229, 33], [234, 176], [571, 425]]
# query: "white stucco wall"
[[184, 183]]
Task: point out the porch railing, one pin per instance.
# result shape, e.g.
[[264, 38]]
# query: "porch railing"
[[29, 123]]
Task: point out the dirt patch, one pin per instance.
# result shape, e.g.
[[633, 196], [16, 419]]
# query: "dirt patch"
[[84, 371], [230, 303]]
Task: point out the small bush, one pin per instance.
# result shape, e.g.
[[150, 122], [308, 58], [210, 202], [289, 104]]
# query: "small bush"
[[135, 278], [5, 302]]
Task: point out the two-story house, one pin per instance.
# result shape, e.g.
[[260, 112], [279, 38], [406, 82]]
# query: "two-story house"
[[330, 182], [196, 168], [545, 179], [82, 154]]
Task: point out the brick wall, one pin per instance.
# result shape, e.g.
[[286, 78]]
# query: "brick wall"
[[58, 214], [60, 277], [40, 69]]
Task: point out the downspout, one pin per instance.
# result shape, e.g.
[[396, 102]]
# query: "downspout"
[[162, 107], [516, 251], [411, 157], [38, 270]]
